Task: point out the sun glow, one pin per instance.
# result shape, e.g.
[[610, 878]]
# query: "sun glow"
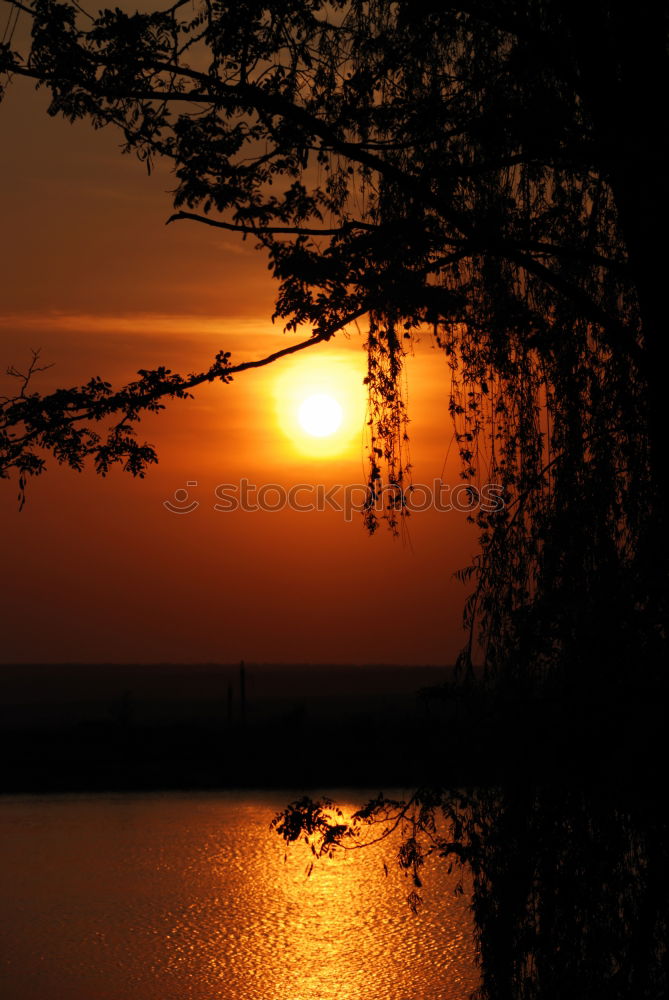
[[320, 415], [320, 403]]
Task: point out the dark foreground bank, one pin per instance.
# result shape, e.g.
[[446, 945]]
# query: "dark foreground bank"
[[120, 727]]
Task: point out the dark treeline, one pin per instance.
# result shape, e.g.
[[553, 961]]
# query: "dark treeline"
[[102, 726], [141, 727]]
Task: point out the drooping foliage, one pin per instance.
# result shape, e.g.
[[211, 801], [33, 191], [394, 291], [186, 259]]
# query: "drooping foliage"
[[474, 171], [568, 885]]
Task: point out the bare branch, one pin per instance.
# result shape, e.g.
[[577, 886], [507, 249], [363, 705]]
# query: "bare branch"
[[346, 227]]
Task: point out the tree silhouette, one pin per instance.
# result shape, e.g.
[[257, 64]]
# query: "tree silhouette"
[[569, 884], [490, 171]]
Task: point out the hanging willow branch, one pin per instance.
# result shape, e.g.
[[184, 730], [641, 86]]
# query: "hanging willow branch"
[[487, 171]]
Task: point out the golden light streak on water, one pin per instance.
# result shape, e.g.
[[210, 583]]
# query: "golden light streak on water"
[[188, 897]]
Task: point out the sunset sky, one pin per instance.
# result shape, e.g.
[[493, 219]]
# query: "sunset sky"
[[98, 569]]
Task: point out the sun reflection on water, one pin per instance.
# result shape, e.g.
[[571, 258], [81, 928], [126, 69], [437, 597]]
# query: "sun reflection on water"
[[341, 928], [189, 898]]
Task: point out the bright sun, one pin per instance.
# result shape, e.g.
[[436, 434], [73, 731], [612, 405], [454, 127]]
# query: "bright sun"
[[321, 403], [320, 415]]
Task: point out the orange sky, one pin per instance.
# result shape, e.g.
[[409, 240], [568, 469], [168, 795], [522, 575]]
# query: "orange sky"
[[99, 570]]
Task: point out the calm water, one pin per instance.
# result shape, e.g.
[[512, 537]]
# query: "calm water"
[[188, 897]]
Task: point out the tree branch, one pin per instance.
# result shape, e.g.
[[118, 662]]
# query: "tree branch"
[[270, 230]]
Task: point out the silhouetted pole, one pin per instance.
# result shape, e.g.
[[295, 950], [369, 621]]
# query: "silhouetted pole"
[[242, 691], [229, 703]]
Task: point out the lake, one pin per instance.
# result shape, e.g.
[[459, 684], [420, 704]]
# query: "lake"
[[184, 896]]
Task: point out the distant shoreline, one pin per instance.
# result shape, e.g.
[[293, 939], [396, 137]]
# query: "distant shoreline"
[[88, 728]]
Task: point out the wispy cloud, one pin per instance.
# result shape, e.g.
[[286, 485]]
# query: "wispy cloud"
[[142, 323]]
